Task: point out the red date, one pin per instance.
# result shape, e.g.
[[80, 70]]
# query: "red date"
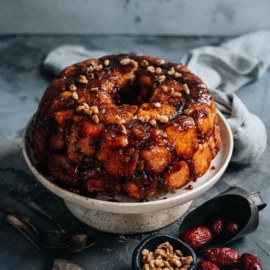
[[197, 237], [250, 262], [222, 257], [231, 229], [205, 265], [217, 225]]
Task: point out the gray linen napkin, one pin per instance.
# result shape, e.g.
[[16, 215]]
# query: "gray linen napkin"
[[224, 69]]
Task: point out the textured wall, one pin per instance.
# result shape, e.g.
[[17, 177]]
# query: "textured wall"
[[169, 17]]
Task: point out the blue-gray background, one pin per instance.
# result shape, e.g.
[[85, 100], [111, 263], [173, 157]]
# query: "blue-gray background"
[[162, 17]]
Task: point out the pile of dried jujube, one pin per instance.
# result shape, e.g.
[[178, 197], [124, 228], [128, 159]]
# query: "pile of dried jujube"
[[227, 258], [220, 227]]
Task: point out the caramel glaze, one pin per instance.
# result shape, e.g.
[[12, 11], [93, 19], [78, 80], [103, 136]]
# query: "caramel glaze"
[[126, 123]]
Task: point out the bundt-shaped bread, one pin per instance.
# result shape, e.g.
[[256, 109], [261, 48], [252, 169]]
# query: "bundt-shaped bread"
[[126, 123]]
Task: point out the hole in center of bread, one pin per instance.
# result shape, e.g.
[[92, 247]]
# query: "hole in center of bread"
[[133, 95]]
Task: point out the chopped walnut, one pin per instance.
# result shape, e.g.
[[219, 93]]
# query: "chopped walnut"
[[177, 75], [165, 258], [151, 69], [72, 87], [94, 89], [122, 129], [95, 119], [186, 89], [82, 79], [133, 63], [171, 71], [75, 95], [162, 78], [163, 119], [158, 70], [124, 61], [144, 63], [160, 62], [80, 108], [94, 109], [106, 62]]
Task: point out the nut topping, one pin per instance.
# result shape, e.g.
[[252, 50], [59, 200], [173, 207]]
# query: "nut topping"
[[124, 61], [90, 68], [94, 89], [158, 70], [94, 109], [97, 68], [133, 63], [95, 119], [151, 69], [82, 79], [164, 88], [72, 87], [86, 105], [171, 71], [153, 122], [176, 94], [162, 78], [75, 95], [87, 111], [160, 62], [120, 120], [163, 119], [80, 108], [144, 119], [177, 75], [144, 63], [186, 89], [122, 129], [106, 62]]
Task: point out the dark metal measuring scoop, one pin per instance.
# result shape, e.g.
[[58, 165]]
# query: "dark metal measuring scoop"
[[237, 203]]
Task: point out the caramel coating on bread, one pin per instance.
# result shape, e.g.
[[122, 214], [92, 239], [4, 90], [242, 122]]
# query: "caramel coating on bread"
[[126, 123]]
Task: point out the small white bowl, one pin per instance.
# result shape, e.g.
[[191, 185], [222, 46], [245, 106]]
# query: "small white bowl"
[[127, 215]]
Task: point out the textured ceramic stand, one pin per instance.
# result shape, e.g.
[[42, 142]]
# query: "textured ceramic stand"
[[127, 223]]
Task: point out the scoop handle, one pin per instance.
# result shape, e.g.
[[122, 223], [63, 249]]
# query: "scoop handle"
[[258, 200]]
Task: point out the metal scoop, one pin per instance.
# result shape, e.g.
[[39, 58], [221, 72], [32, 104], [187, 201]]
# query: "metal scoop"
[[238, 203]]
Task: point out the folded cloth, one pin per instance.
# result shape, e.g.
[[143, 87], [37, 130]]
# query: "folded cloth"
[[67, 55], [224, 69]]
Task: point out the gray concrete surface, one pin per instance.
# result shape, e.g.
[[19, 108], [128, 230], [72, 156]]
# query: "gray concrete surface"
[[22, 83]]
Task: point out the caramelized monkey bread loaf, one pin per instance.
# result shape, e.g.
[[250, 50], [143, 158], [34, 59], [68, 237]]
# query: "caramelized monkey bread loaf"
[[126, 123]]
